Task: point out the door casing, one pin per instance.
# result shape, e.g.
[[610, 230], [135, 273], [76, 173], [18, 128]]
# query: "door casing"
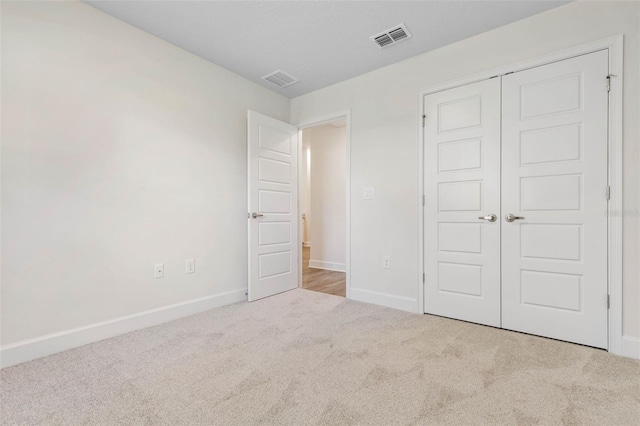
[[618, 343]]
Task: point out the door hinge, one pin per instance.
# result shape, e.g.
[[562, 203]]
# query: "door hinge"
[[424, 118], [609, 81], [608, 193], [424, 279], [608, 302], [423, 199]]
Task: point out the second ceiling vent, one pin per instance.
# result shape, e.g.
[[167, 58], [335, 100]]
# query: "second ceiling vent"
[[280, 78], [391, 36]]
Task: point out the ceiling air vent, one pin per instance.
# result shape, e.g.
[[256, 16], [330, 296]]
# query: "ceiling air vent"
[[280, 79], [391, 36]]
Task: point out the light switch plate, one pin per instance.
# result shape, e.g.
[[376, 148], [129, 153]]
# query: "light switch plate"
[[368, 193], [190, 266]]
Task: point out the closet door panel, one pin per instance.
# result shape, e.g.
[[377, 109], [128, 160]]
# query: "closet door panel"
[[554, 176], [462, 184]]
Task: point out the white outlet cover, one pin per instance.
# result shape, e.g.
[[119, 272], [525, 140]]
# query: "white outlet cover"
[[386, 262], [158, 271], [368, 193]]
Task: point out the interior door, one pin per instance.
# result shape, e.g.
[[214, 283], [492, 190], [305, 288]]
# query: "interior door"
[[462, 189], [273, 206], [554, 181]]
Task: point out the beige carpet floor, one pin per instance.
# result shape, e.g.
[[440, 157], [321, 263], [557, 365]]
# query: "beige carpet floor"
[[309, 358]]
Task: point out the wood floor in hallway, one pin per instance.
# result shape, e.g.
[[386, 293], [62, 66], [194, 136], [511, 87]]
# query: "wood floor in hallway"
[[330, 282]]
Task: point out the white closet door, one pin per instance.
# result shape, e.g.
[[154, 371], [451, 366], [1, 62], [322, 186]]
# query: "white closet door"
[[554, 175], [462, 184]]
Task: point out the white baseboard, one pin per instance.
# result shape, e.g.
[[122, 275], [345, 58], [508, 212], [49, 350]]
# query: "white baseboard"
[[630, 347], [384, 299], [329, 266], [26, 350]]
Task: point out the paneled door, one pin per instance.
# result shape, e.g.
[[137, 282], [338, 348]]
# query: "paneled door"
[[554, 183], [462, 203], [273, 206]]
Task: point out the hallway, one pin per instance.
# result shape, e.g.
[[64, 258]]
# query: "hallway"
[[322, 280]]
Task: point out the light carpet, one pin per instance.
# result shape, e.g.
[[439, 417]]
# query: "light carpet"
[[310, 358]]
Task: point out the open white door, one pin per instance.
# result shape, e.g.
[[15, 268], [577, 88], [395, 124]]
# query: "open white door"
[[272, 154]]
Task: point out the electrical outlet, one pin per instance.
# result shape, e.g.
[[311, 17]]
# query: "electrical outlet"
[[386, 262], [190, 266], [159, 270]]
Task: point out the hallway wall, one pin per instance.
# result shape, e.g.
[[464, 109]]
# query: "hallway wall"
[[327, 190]]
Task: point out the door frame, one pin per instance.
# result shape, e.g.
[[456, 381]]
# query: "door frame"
[[312, 122], [617, 342]]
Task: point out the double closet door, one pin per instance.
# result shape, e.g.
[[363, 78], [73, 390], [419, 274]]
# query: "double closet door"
[[515, 216]]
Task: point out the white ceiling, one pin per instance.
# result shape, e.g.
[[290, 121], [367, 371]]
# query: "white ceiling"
[[319, 42]]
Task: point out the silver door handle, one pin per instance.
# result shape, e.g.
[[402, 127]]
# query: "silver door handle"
[[490, 218], [511, 217], [255, 215]]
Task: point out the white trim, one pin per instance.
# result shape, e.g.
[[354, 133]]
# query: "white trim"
[[329, 266], [384, 299], [26, 350], [618, 344], [617, 341], [421, 197], [299, 220], [346, 114], [323, 119]]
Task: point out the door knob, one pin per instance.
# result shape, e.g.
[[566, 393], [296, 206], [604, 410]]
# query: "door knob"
[[511, 217], [255, 215], [490, 218]]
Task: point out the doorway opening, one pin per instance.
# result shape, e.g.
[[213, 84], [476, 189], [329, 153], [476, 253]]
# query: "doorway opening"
[[323, 207]]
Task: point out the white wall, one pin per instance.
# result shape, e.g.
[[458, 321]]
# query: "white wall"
[[304, 191], [328, 192], [119, 150], [384, 133]]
